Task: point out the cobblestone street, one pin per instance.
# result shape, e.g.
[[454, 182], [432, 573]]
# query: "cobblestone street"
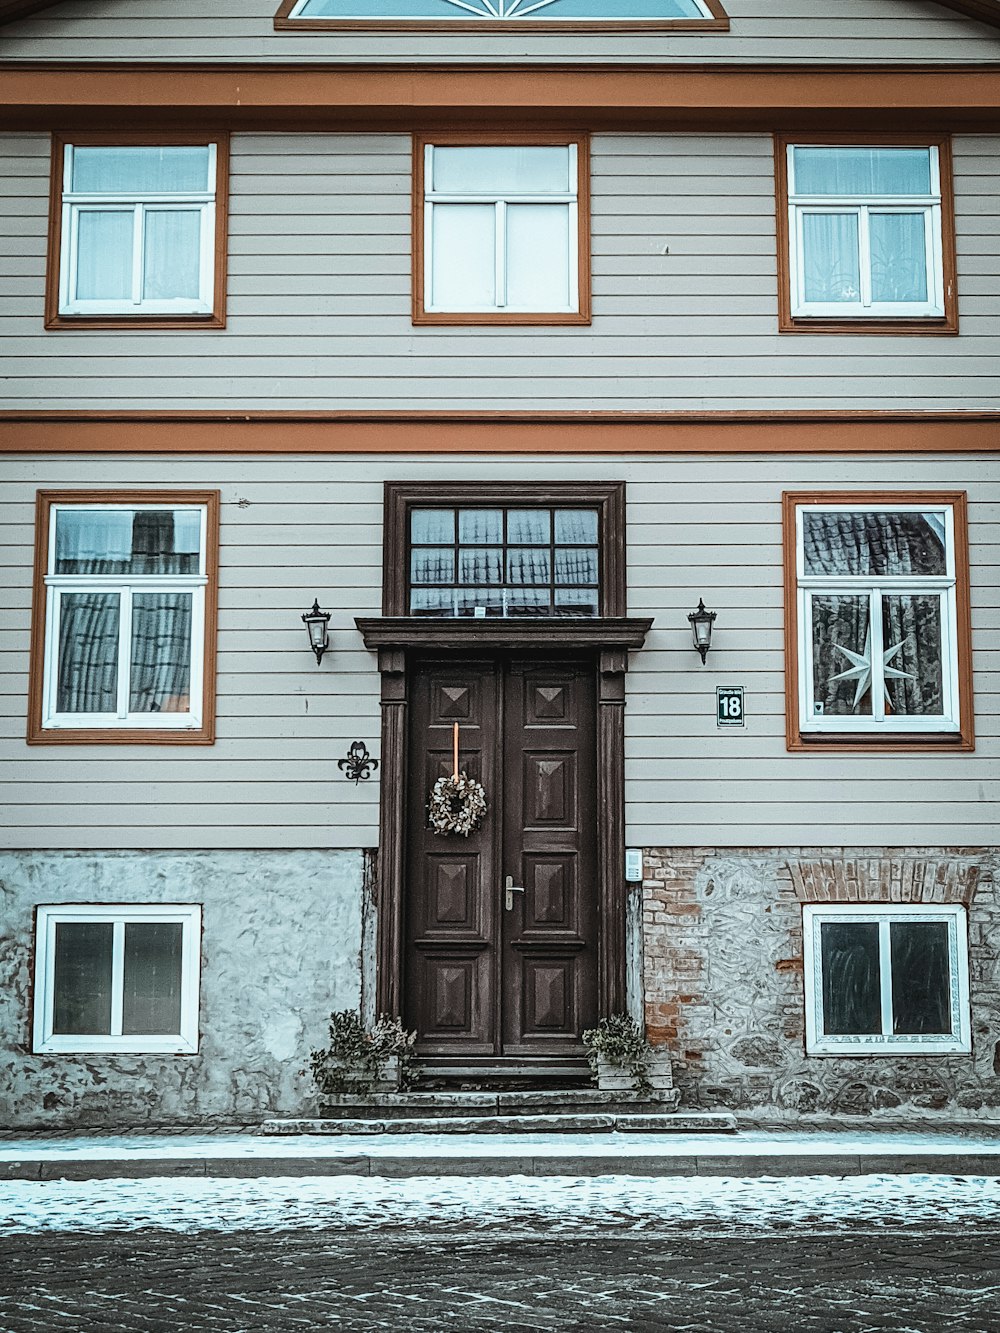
[[247, 1281], [893, 1254]]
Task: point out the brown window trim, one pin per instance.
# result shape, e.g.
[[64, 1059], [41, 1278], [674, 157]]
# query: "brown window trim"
[[796, 739], [607, 497], [931, 326], [581, 316], [719, 22], [39, 735], [215, 320]]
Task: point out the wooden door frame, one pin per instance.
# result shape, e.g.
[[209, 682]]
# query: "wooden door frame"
[[398, 640]]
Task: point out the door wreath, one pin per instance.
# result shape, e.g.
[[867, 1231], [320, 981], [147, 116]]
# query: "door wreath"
[[458, 802], [457, 805]]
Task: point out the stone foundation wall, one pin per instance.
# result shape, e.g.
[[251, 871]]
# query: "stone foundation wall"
[[723, 983], [281, 948]]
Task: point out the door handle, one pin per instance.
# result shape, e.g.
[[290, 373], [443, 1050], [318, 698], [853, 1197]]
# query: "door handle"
[[510, 888]]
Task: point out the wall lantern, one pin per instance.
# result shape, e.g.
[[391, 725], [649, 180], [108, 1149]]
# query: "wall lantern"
[[701, 622], [316, 622]]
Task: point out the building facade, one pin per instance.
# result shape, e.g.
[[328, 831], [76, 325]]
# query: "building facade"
[[507, 339]]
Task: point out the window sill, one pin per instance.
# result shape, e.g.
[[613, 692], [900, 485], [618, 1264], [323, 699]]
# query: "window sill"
[[483, 317], [204, 735], [907, 326], [845, 742], [118, 321]]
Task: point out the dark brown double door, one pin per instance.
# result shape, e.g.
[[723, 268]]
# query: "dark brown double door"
[[501, 927]]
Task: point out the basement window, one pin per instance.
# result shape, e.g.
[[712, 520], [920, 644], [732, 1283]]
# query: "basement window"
[[886, 979], [117, 978]]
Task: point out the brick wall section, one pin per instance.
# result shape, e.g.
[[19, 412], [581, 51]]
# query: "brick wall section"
[[723, 989]]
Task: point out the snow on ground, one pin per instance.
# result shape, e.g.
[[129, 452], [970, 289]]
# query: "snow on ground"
[[757, 1143], [604, 1205]]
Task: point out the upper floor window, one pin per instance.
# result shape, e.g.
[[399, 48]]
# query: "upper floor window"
[[124, 610], [878, 621], [139, 232], [869, 236], [537, 15], [502, 232]]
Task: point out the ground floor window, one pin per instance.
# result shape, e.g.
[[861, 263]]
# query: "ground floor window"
[[113, 977], [886, 979]]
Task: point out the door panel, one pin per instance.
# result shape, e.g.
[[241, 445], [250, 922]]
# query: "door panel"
[[482, 980], [550, 846], [451, 900]]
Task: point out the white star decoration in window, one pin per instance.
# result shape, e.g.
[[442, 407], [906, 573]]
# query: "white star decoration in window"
[[861, 670]]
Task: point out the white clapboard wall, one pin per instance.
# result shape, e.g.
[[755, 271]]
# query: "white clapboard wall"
[[812, 31], [319, 297], [298, 527]]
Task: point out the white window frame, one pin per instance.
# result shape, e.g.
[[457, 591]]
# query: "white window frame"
[[125, 585], [930, 205], [500, 201], [48, 917], [887, 1042], [202, 202], [876, 587]]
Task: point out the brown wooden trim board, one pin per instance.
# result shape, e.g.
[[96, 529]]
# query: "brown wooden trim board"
[[64, 96], [582, 433]]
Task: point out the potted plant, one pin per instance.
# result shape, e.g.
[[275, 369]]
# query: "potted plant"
[[362, 1060], [622, 1060]]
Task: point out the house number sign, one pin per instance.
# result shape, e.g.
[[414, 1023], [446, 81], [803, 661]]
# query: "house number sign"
[[729, 706]]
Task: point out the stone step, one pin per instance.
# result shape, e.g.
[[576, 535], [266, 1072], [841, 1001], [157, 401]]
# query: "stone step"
[[427, 1105], [579, 1122]]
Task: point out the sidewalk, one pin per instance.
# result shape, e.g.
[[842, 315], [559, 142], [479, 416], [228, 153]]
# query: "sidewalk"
[[746, 1153]]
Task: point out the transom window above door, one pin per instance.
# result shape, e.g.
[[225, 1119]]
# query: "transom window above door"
[[494, 550], [504, 562], [501, 231], [604, 15]]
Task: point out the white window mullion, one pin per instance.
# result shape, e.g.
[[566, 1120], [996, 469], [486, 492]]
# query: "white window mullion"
[[806, 686], [124, 652], [876, 649], [885, 976], [500, 253], [117, 978], [865, 242], [53, 613], [68, 258], [138, 250]]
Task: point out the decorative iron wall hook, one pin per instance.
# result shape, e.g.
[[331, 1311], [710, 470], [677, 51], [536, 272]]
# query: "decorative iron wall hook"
[[358, 766]]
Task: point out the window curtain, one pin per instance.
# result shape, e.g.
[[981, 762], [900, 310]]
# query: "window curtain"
[[899, 257], [116, 541], [104, 255], [832, 264], [88, 652], [161, 652], [172, 254]]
